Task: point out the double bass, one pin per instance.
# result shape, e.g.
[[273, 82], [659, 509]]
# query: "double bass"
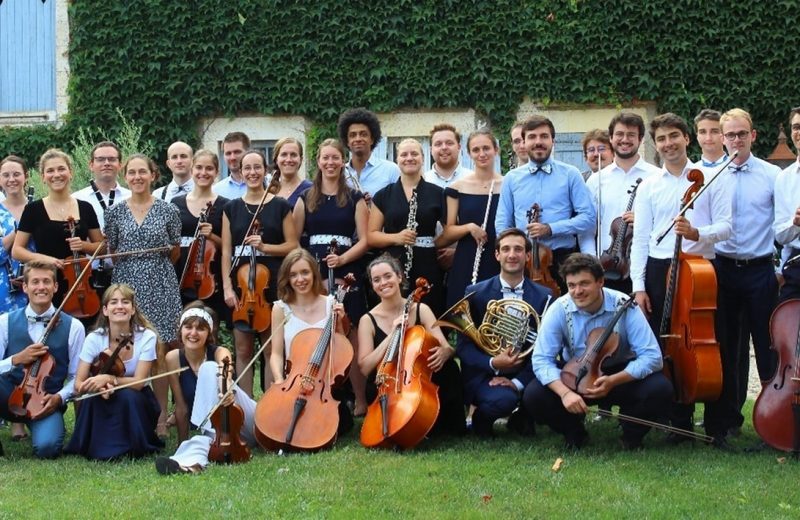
[[691, 352], [300, 414], [408, 401], [541, 257], [253, 312], [197, 279], [227, 447], [83, 301], [616, 260]]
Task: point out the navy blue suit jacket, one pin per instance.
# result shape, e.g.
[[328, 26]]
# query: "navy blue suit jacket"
[[475, 368]]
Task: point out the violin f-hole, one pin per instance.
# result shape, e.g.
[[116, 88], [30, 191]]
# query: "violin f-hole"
[[783, 377]]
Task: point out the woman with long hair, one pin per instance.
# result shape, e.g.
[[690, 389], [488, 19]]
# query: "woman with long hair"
[[123, 422], [286, 181], [13, 181]]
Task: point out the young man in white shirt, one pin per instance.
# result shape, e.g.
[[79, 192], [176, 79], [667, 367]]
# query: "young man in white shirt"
[[179, 161]]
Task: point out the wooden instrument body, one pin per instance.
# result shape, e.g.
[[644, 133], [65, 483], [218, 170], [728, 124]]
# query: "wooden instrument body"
[[616, 260], [105, 363], [776, 414], [413, 402], [318, 422], [252, 309], [198, 276], [25, 400], [84, 301], [228, 447], [580, 373], [541, 259]]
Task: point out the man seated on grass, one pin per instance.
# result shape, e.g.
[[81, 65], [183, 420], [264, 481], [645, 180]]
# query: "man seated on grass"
[[20, 332], [640, 389]]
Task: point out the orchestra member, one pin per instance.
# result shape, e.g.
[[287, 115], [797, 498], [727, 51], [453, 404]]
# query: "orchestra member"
[[597, 151], [286, 181], [179, 162], [233, 186], [787, 214], [360, 130]]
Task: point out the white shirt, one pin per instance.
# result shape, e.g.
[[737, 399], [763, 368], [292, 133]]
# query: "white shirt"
[[613, 195], [433, 176], [658, 202], [787, 200], [35, 331], [753, 193], [89, 196], [144, 348], [173, 190]]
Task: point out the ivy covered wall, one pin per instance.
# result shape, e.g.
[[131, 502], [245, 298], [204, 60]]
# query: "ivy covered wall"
[[168, 64]]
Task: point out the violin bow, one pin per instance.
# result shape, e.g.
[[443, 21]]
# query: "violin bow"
[[235, 261], [132, 383], [657, 425], [702, 189], [247, 367], [125, 253]]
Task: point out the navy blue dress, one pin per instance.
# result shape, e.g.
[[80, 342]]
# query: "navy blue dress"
[[188, 379], [471, 208]]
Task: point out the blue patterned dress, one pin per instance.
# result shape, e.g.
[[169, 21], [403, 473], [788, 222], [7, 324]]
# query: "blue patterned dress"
[[9, 300]]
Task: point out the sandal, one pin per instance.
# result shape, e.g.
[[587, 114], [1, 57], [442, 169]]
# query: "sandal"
[[168, 466], [171, 421]]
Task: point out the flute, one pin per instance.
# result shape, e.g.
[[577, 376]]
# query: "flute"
[[479, 251]]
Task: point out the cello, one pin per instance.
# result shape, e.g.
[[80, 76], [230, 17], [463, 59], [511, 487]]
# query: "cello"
[[84, 301], [691, 352], [408, 401], [616, 260], [252, 312], [197, 275], [541, 257], [227, 447], [300, 414]]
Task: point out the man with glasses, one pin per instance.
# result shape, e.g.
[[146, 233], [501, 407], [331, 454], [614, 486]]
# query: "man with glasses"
[[787, 215], [597, 151], [610, 189], [747, 285], [520, 155], [179, 161]]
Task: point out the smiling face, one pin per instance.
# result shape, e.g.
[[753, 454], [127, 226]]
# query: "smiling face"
[[518, 144], [445, 149], [330, 162], [301, 277], [671, 145], [105, 164], [253, 170], [598, 150], [539, 143], [626, 141], [118, 308], [289, 159], [385, 281], [194, 333], [409, 157], [57, 174], [204, 171], [359, 139], [232, 152], [139, 176], [739, 136], [586, 292], [179, 159], [40, 286], [12, 177], [511, 255]]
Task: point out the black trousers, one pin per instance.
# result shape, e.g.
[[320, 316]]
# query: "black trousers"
[[791, 275], [647, 398], [746, 297]]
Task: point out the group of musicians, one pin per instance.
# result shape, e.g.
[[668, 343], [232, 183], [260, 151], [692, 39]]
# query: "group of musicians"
[[552, 261]]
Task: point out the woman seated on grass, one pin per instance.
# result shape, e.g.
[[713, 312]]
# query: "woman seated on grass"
[[119, 423]]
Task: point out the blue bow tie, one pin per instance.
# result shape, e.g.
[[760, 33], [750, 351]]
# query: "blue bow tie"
[[39, 319], [711, 164], [736, 169], [536, 168]]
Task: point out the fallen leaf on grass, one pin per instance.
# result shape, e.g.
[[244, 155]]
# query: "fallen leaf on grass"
[[781, 460], [283, 470], [557, 465], [486, 498]]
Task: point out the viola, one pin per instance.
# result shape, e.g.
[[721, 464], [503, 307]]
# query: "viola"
[[197, 280], [408, 401], [84, 302], [616, 260], [301, 414], [252, 310], [111, 364], [581, 372], [541, 257], [344, 323], [227, 447], [688, 342]]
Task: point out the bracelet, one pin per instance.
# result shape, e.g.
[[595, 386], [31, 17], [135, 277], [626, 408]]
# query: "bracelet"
[[565, 393]]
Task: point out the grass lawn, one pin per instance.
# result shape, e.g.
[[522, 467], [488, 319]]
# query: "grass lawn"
[[509, 477]]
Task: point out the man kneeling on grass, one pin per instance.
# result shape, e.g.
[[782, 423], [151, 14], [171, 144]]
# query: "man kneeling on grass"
[[639, 388]]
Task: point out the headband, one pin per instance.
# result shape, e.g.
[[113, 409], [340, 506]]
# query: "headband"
[[199, 313]]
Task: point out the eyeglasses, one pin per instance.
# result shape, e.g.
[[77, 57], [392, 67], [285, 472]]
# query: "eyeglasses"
[[106, 159], [593, 150], [742, 135]]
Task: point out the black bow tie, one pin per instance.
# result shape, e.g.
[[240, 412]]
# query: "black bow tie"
[[39, 319], [513, 290], [737, 169]]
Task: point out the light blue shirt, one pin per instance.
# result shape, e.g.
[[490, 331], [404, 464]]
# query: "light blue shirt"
[[753, 212], [376, 175], [555, 333], [562, 194], [230, 189]]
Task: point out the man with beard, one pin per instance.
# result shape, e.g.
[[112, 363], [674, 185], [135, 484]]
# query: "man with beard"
[[564, 202]]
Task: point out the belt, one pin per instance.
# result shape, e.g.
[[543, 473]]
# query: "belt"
[[424, 242], [658, 261], [245, 251], [317, 240], [744, 262], [186, 241]]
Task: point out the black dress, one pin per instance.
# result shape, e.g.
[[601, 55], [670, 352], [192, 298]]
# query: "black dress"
[[471, 208], [392, 202], [451, 419], [50, 235], [188, 379], [329, 220]]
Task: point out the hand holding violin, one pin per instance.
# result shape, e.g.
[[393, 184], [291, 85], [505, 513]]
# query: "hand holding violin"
[[30, 354], [539, 230], [254, 241], [628, 217], [204, 229]]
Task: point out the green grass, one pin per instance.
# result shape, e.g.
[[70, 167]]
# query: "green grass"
[[509, 477]]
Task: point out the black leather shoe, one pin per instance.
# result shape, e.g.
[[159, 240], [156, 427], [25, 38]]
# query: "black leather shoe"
[[673, 439], [632, 443], [167, 466], [576, 440], [521, 424], [721, 443]]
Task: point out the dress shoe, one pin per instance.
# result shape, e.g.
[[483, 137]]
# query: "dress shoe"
[[576, 440]]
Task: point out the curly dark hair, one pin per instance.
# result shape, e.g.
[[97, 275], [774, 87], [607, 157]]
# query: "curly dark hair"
[[359, 116]]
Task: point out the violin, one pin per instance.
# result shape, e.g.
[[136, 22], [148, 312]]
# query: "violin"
[[616, 260], [111, 363], [688, 342], [252, 310], [408, 401], [197, 280], [84, 302], [26, 400], [301, 414], [227, 447], [344, 323], [541, 257], [581, 372]]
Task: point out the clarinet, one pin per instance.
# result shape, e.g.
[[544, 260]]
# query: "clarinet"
[[479, 252], [412, 225]]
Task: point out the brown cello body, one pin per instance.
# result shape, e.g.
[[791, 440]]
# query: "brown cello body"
[[412, 403], [300, 414], [776, 414]]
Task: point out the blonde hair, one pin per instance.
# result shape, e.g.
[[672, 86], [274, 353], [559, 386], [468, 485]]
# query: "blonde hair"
[[54, 153], [206, 153], [736, 113], [285, 290], [138, 321]]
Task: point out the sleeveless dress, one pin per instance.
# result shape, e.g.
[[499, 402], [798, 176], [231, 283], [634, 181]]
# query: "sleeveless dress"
[[124, 424], [451, 419], [188, 379], [471, 208]]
